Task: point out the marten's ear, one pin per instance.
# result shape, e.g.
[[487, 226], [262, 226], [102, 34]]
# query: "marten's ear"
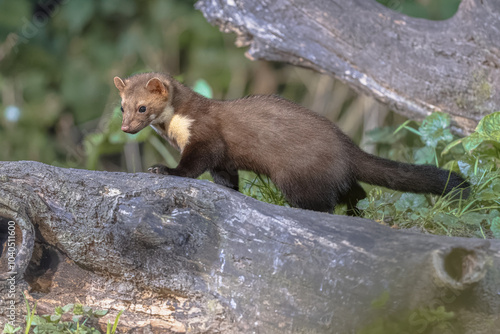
[[119, 84], [156, 86]]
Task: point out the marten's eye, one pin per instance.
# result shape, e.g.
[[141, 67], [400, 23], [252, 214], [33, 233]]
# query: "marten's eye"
[[142, 109], [121, 108]]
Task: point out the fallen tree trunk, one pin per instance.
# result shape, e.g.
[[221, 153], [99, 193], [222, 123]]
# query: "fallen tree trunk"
[[187, 255], [414, 66]]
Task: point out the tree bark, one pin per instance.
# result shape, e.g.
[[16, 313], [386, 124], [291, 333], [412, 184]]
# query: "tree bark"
[[415, 66], [188, 255]]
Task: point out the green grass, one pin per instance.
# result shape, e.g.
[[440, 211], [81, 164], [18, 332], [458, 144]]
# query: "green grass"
[[477, 157], [54, 324], [261, 187]]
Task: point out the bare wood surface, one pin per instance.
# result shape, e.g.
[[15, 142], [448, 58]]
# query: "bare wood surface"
[[415, 66], [182, 255]]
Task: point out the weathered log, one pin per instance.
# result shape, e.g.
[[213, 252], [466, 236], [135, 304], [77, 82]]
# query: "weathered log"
[[415, 66], [188, 255]]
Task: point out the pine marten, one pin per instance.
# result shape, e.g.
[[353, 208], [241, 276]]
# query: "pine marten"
[[308, 158]]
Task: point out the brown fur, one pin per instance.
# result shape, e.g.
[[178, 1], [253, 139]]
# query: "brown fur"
[[305, 155]]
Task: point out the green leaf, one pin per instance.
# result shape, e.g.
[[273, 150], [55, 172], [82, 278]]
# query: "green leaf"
[[363, 204], [100, 313], [9, 329], [410, 201], [68, 307], [473, 141], [476, 218], [436, 128], [447, 220], [55, 318], [495, 227], [77, 318], [476, 169], [39, 320], [472, 218], [488, 129], [87, 310], [203, 88], [422, 211], [425, 155], [78, 309], [487, 195]]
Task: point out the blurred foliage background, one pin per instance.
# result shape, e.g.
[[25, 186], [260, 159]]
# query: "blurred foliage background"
[[58, 104]]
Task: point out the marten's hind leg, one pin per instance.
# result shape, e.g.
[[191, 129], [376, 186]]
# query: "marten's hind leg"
[[352, 197], [309, 195], [226, 177]]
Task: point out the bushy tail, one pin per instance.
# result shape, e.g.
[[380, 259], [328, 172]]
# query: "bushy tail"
[[407, 177]]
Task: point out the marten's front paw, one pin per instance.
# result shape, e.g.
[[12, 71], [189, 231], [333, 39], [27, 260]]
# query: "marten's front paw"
[[158, 169]]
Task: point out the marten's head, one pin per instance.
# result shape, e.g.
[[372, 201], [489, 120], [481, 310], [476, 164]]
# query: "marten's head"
[[145, 98]]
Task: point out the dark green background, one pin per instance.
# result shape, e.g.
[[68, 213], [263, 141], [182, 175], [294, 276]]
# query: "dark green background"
[[57, 65]]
